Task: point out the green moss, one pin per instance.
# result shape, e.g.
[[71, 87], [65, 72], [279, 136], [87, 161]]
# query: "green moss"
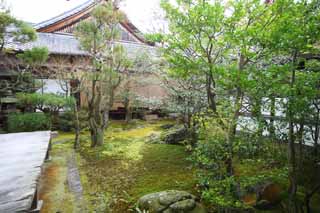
[[165, 167], [115, 175], [53, 188]]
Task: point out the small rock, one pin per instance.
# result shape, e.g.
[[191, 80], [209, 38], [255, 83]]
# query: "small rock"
[[54, 134]]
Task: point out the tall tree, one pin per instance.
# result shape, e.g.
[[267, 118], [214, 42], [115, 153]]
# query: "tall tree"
[[98, 36], [221, 42], [296, 32]]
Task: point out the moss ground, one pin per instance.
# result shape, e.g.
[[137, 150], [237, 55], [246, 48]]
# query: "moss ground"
[[127, 167], [116, 175], [53, 186]]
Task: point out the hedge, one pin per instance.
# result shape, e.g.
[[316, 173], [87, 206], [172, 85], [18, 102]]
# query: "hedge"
[[28, 122]]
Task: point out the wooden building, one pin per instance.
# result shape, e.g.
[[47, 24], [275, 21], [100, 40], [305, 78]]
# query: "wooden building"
[[57, 35]]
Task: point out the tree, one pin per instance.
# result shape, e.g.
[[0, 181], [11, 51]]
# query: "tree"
[[13, 30], [236, 47], [221, 48], [98, 36], [72, 82], [193, 45], [296, 32]]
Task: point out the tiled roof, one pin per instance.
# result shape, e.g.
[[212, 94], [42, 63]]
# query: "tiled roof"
[[56, 44], [64, 15], [67, 44], [85, 9]]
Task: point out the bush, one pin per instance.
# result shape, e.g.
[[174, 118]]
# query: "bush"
[[66, 121], [50, 103], [28, 122]]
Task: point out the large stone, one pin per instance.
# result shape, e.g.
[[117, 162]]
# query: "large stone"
[[151, 117], [268, 196], [167, 126], [168, 197], [175, 136], [184, 205], [151, 203], [170, 201]]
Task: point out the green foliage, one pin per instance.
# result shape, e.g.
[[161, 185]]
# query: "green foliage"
[[223, 195], [133, 168], [211, 154], [66, 121], [45, 102], [95, 33], [17, 31], [24, 32], [254, 164], [28, 122], [227, 194], [98, 36], [35, 56]]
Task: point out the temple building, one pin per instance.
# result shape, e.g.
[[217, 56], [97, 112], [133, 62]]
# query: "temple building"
[[56, 34]]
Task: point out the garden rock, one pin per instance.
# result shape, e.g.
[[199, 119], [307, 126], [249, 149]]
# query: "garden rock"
[[154, 138], [151, 117], [175, 136], [268, 196], [170, 201], [167, 126], [54, 134]]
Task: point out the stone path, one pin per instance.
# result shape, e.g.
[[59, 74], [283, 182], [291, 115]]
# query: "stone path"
[[73, 179]]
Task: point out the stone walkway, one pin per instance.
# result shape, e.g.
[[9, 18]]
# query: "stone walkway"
[[74, 182]]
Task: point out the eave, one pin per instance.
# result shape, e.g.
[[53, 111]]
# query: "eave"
[[78, 14]]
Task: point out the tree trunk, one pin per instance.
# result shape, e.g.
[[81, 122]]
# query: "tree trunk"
[[300, 139], [272, 114], [210, 94], [128, 115], [234, 119], [309, 196], [100, 136], [97, 135], [291, 147], [316, 134], [77, 127], [128, 110], [257, 113]]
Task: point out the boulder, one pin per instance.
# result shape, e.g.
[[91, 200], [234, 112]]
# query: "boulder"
[[184, 205], [151, 117], [167, 126], [170, 201], [154, 138], [268, 196], [175, 136]]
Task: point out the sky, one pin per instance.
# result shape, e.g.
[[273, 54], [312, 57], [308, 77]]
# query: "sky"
[[141, 13]]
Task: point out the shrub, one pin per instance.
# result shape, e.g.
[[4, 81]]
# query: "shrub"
[[51, 103], [28, 122], [66, 121]]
